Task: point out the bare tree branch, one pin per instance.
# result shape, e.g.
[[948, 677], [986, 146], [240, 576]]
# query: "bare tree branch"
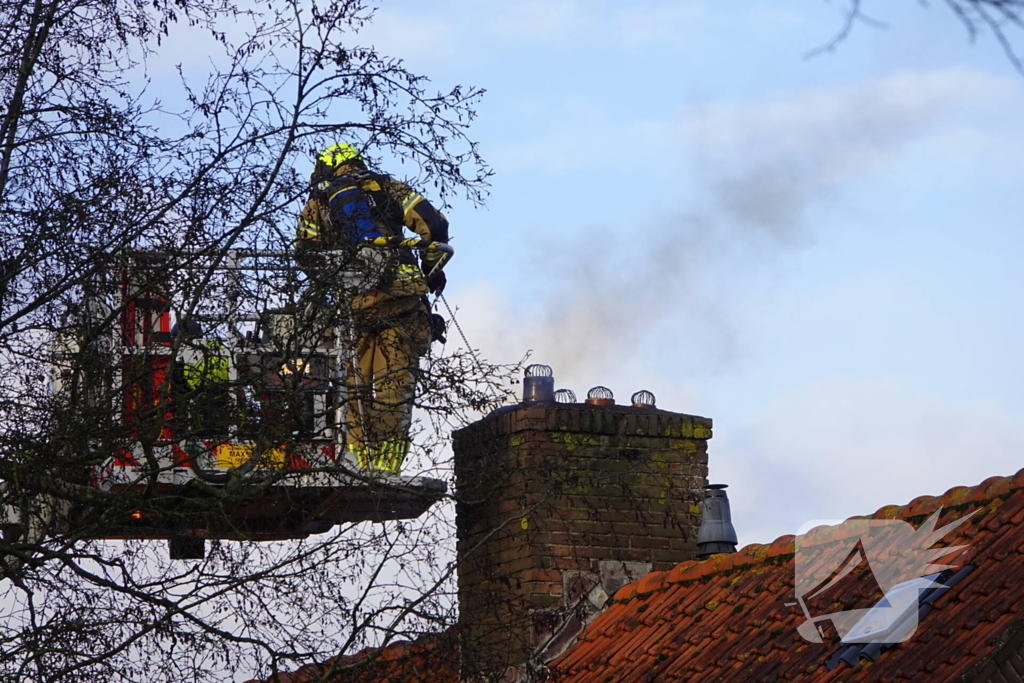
[[1000, 17], [115, 205]]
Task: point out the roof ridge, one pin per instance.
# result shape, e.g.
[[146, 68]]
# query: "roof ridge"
[[398, 648], [372, 654], [692, 570]]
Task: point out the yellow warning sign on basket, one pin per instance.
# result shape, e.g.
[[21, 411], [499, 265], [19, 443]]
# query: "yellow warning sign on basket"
[[237, 454]]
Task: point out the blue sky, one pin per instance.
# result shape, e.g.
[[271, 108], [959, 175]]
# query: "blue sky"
[[820, 254]]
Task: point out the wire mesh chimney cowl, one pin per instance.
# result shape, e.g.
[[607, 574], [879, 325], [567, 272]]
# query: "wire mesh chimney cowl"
[[643, 399], [600, 396], [565, 396]]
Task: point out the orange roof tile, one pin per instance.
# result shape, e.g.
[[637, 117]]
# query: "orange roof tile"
[[428, 659], [731, 618], [734, 617]]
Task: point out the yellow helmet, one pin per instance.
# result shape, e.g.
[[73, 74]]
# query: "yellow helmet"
[[334, 156]]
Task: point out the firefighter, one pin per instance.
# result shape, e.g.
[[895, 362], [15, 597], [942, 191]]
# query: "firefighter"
[[202, 380], [349, 206]]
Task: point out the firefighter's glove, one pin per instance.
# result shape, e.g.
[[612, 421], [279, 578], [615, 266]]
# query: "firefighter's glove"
[[438, 327], [436, 281]]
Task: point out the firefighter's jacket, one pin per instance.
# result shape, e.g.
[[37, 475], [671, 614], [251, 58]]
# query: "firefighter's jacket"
[[392, 205]]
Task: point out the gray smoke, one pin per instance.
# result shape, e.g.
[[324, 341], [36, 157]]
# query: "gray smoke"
[[756, 171], [611, 293]]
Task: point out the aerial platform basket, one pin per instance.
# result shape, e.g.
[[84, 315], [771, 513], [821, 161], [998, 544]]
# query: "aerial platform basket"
[[251, 445]]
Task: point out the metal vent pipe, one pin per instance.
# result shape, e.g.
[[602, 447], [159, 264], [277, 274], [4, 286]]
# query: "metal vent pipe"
[[538, 384], [716, 534]]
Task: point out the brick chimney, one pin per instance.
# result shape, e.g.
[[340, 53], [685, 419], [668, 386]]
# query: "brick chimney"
[[559, 506]]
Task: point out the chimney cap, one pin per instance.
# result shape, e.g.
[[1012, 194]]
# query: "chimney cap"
[[565, 396], [716, 534], [538, 384], [643, 399], [539, 370], [600, 396]]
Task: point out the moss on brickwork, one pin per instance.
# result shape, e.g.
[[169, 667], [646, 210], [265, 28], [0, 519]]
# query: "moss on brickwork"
[[572, 441], [684, 446], [562, 489]]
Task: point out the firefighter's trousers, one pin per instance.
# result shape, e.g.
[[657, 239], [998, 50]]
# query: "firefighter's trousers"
[[382, 387]]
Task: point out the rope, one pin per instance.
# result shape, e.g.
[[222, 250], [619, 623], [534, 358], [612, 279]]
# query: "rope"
[[479, 365]]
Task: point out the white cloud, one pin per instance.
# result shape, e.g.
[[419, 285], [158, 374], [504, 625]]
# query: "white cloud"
[[581, 139], [764, 163], [843, 447], [407, 36], [769, 16], [566, 22], [961, 147], [464, 26], [451, 27], [195, 50], [654, 23], [536, 20]]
